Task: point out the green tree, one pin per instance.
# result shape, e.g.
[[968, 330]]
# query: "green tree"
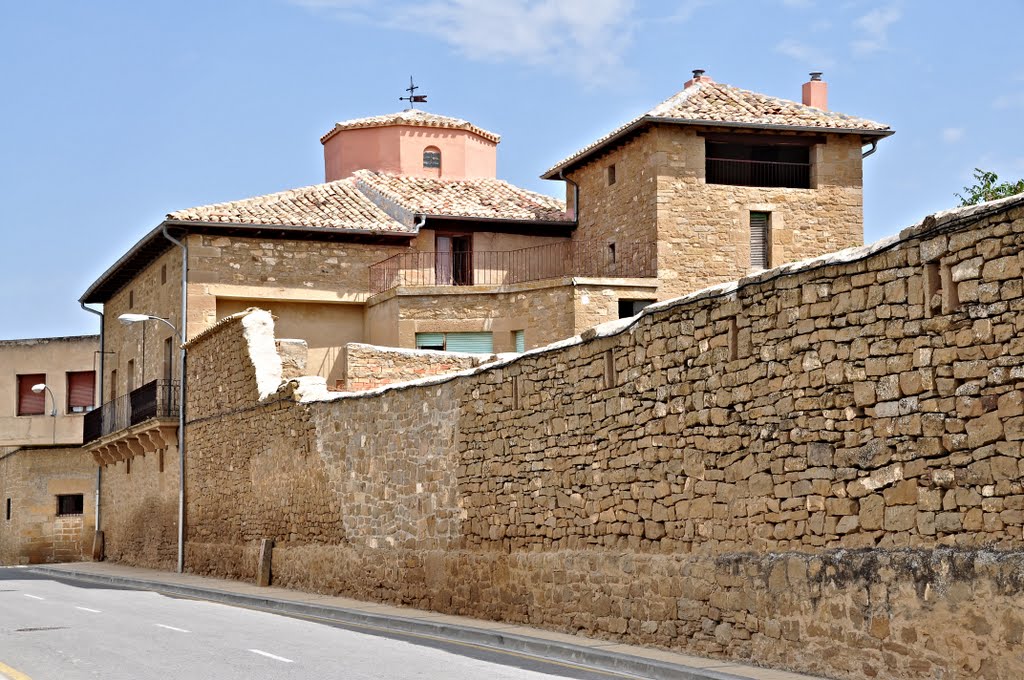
[[987, 189]]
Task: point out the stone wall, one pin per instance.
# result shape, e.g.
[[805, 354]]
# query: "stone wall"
[[32, 479], [816, 468], [370, 366]]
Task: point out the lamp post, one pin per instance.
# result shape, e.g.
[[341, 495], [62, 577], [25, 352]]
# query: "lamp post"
[[137, 318], [43, 386]]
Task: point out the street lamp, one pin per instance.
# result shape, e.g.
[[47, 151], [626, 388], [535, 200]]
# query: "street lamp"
[[43, 386], [127, 319]]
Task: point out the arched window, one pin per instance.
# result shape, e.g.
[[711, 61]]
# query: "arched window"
[[432, 157]]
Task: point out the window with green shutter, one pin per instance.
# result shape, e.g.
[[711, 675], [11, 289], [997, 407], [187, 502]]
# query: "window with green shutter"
[[520, 339]]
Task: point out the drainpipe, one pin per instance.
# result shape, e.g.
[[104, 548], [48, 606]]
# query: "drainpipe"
[[874, 148], [575, 195], [103, 356], [181, 396]]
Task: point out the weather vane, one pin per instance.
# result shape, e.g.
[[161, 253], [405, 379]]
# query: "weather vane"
[[413, 98]]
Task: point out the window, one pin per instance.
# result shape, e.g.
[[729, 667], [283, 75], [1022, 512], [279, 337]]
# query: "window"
[[772, 162], [628, 308], [432, 157], [471, 343], [519, 339], [30, 403], [8, 509], [163, 273], [610, 174], [611, 253], [168, 359], [81, 391], [131, 377], [113, 385], [131, 299], [70, 504], [759, 241]]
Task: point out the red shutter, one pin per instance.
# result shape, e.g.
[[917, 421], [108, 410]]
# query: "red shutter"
[[30, 403], [81, 391]]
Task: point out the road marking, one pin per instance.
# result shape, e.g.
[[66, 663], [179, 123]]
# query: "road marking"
[[11, 673], [271, 656], [86, 609], [34, 597], [180, 630]]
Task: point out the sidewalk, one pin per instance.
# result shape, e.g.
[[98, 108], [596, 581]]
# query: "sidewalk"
[[593, 653]]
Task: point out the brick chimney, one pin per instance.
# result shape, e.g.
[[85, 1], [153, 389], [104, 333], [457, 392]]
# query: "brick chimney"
[[698, 77], [815, 92]]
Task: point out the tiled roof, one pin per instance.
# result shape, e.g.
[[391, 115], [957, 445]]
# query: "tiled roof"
[[711, 103], [484, 198], [414, 117], [335, 205]]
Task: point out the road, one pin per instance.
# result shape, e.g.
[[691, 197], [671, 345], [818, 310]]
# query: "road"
[[67, 630]]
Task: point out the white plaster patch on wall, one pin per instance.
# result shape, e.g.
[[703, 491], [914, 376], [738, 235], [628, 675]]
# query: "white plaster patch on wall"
[[259, 335]]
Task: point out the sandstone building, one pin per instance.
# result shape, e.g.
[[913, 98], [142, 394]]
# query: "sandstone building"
[[46, 480]]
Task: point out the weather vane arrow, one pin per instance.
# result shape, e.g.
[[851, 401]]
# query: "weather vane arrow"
[[413, 98]]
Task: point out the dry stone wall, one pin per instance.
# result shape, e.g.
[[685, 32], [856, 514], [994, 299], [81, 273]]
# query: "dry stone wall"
[[817, 468], [369, 366]]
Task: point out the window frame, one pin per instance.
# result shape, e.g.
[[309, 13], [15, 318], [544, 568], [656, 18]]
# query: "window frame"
[[32, 379], [434, 153], [77, 501]]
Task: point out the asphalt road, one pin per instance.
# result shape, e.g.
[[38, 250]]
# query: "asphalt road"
[[67, 630]]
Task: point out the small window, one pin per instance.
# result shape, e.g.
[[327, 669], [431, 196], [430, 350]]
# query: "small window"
[[163, 273], [130, 386], [432, 157], [759, 240], [81, 391], [8, 509], [519, 338], [131, 299], [113, 385], [611, 253], [31, 403], [611, 174], [70, 504], [628, 308], [168, 359]]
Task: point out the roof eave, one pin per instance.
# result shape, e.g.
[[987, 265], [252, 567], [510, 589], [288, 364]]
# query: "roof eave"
[[92, 295], [496, 220], [650, 120]]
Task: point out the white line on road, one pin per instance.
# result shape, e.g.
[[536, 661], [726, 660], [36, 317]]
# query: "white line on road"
[[34, 597], [86, 609], [272, 656], [180, 630]]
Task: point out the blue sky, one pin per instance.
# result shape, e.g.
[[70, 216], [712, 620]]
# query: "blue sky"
[[115, 113]]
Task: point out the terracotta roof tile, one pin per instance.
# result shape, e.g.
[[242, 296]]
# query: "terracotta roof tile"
[[414, 117], [708, 103], [335, 205], [485, 198]]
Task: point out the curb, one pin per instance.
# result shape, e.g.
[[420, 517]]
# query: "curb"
[[596, 659]]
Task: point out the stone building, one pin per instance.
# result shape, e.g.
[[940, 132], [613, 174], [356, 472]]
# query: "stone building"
[[46, 480], [412, 242]]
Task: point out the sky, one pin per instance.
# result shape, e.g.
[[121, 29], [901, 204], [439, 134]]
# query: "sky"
[[115, 113]]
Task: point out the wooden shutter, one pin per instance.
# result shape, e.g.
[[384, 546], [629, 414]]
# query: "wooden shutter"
[[81, 391], [759, 240], [520, 341], [30, 403], [473, 343]]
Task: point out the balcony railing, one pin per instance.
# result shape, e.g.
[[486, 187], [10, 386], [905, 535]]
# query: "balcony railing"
[[758, 173], [156, 399], [497, 268]]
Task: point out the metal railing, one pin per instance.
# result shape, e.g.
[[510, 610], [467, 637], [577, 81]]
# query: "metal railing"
[[497, 268], [758, 173], [156, 399]]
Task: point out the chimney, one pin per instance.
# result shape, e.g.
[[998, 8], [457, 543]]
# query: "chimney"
[[698, 77], [815, 92]]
